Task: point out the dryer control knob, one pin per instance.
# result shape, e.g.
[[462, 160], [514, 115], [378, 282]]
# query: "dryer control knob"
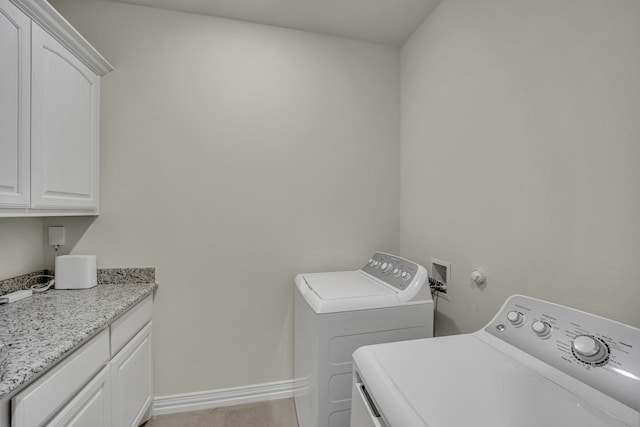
[[586, 345], [371, 261], [515, 318], [542, 329], [590, 350], [397, 272]]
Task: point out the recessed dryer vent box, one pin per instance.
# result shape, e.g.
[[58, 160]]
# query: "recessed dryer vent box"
[[441, 271]]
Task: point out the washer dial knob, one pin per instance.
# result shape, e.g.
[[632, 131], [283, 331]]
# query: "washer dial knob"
[[589, 349], [542, 329], [515, 317]]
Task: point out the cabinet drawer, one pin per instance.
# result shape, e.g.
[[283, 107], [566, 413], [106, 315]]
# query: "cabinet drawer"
[[127, 326], [42, 399]]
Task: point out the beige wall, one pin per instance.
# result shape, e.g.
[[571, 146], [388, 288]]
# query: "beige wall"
[[520, 153], [234, 156], [21, 246]]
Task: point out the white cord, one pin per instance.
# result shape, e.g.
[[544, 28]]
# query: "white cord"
[[41, 287]]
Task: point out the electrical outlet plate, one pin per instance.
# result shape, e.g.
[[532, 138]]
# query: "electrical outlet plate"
[[441, 271], [56, 235]]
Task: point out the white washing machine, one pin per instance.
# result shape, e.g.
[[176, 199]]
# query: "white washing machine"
[[535, 364], [388, 299]]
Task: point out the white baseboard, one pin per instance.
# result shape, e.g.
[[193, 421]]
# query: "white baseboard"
[[222, 397]]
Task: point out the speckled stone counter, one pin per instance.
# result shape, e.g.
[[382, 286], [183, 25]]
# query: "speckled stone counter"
[[39, 331]]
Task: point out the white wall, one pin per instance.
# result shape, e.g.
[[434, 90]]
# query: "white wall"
[[234, 156], [21, 246], [520, 153]]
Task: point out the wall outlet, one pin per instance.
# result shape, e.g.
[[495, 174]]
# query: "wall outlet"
[[441, 271], [56, 235]]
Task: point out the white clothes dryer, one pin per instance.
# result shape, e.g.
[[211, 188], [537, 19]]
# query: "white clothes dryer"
[[535, 364], [387, 300]]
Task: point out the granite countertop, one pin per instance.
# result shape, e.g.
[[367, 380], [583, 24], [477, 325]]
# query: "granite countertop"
[[38, 332]]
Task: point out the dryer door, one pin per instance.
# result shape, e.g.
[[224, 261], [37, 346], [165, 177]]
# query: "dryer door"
[[363, 410]]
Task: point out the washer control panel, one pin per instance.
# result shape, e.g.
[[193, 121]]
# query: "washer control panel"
[[395, 271], [602, 353]]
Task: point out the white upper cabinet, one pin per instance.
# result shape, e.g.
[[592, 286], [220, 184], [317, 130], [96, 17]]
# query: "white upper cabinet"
[[64, 127], [49, 113], [15, 84]]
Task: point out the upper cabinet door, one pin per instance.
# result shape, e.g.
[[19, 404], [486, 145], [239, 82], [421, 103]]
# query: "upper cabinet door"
[[15, 83], [64, 127]]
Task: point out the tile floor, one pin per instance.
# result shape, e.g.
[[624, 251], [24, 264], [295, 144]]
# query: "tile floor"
[[274, 413]]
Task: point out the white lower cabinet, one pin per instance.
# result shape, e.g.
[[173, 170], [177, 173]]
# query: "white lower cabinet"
[[108, 382], [90, 407], [132, 381], [37, 403]]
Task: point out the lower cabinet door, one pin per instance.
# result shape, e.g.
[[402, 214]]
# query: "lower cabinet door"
[[90, 407], [132, 380]]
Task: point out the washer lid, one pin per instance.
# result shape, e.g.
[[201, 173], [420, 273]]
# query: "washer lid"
[[345, 284], [462, 381], [345, 291]]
